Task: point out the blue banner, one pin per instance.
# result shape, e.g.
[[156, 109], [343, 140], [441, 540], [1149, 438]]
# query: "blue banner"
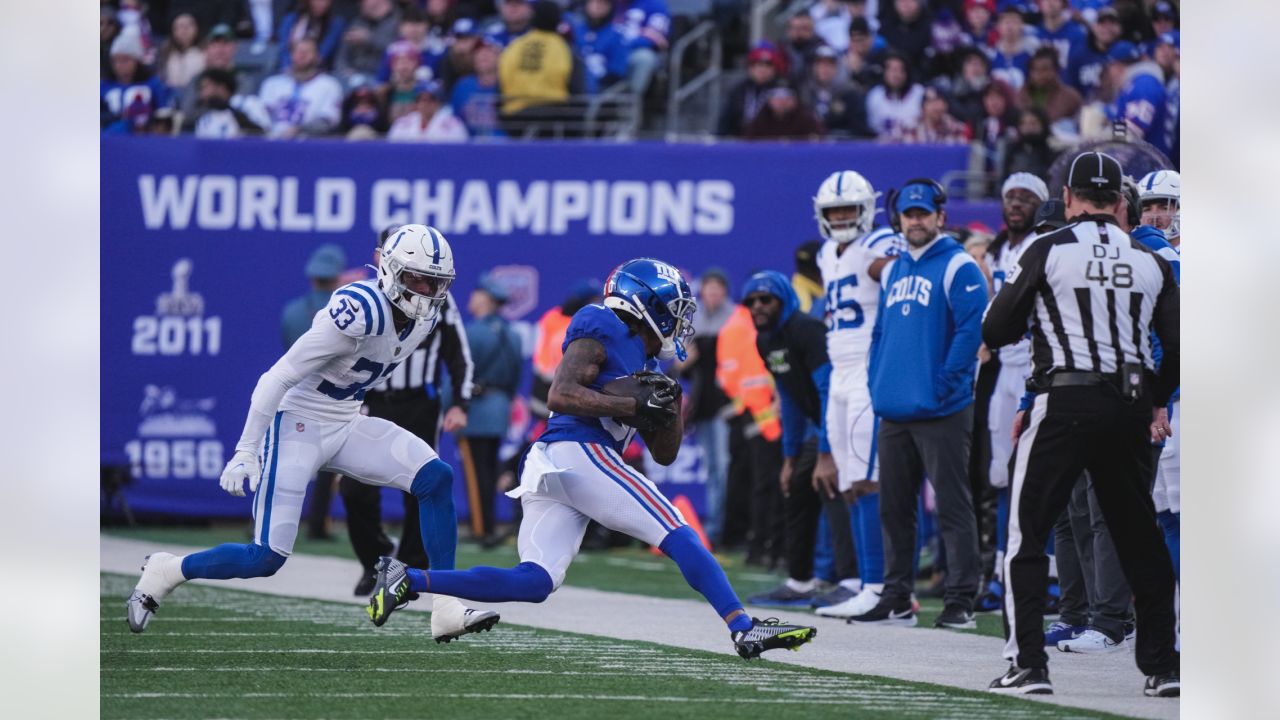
[[203, 242]]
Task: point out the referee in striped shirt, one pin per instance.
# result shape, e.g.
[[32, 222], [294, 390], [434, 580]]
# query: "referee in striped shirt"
[[1091, 296], [410, 397]]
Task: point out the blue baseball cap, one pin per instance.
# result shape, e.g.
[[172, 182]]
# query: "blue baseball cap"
[[464, 27], [328, 261], [488, 284], [1125, 52], [430, 87], [917, 195], [1170, 38]]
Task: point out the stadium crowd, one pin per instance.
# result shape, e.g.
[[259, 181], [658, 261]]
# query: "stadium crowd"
[[1019, 79]]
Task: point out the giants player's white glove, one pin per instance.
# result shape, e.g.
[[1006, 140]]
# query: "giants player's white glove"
[[242, 466]]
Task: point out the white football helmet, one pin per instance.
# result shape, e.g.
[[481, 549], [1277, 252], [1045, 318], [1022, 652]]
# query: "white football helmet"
[[415, 270], [845, 188], [1163, 185]]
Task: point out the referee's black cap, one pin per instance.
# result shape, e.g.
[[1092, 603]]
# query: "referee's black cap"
[[1095, 171]]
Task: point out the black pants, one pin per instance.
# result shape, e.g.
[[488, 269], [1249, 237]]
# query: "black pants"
[[318, 509], [1073, 429], [939, 449], [803, 506], [754, 466], [484, 456], [420, 415], [1094, 591]]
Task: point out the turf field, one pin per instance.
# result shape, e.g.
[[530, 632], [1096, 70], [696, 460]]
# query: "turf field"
[[630, 570], [227, 653]]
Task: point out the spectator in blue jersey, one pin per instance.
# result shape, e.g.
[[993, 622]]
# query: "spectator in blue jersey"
[[475, 98], [1168, 56], [945, 48], [1085, 67], [1012, 50], [922, 365], [1059, 31], [515, 17], [1140, 101], [312, 19], [132, 94], [459, 60], [910, 33], [1164, 18], [799, 47], [764, 66], [863, 62], [415, 30], [366, 39], [838, 104], [645, 25], [598, 41]]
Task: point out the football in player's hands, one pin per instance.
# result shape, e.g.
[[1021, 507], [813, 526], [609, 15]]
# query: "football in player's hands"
[[657, 399]]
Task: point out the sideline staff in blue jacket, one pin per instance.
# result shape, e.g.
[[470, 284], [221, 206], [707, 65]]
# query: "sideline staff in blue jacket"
[[924, 357]]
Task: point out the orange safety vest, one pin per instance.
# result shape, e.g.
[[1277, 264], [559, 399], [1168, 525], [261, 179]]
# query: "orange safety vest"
[[742, 374], [547, 352]]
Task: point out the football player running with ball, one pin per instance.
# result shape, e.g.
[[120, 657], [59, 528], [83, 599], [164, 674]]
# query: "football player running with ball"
[[605, 390], [304, 416]]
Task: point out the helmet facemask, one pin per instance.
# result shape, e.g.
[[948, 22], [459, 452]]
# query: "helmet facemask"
[[843, 231], [417, 291], [1162, 212], [845, 189]]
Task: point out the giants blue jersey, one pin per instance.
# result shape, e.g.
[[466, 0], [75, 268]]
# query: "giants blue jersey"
[[624, 354], [1066, 40], [1143, 103]]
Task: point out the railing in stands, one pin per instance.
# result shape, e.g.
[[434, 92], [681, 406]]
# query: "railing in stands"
[[680, 91]]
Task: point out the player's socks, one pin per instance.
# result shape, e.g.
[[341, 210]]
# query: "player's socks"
[[162, 573], [526, 582], [433, 487], [702, 572], [1171, 524], [232, 560], [870, 540]]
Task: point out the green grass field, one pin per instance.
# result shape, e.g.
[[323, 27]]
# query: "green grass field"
[[631, 570], [226, 653]]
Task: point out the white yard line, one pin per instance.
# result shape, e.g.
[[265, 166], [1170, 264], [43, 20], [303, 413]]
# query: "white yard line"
[[1109, 683]]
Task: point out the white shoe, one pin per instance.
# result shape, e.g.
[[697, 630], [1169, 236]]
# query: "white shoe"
[[451, 620], [156, 582], [856, 605], [1091, 642]]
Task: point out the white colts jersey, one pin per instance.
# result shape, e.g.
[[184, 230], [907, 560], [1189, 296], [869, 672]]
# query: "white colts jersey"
[[1017, 355], [852, 295], [357, 325]]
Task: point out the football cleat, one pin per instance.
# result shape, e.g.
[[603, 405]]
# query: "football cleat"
[[451, 620], [770, 634], [141, 607], [390, 590], [783, 596], [1022, 681], [1163, 685]]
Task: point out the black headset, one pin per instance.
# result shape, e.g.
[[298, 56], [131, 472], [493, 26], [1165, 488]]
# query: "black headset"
[[891, 199]]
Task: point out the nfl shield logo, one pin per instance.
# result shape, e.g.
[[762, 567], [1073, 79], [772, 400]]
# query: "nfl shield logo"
[[521, 284], [300, 427]]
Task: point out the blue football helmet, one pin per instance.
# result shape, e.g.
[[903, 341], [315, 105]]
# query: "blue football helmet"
[[655, 292]]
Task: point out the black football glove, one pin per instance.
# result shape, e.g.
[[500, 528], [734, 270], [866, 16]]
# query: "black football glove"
[[657, 402]]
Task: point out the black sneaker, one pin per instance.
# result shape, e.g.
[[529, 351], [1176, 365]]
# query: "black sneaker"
[[1022, 681], [365, 585], [1163, 685], [783, 596], [883, 614], [770, 634], [956, 618]]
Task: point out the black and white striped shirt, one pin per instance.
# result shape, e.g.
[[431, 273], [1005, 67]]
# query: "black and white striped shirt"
[[1091, 296], [447, 342]]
